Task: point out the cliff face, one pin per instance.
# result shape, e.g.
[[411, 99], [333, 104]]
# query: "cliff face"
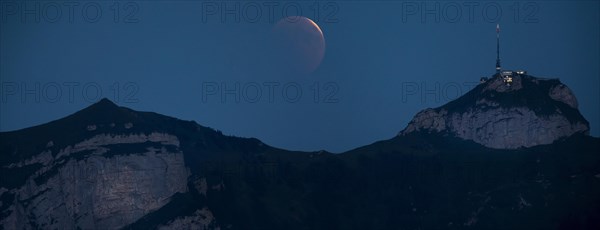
[[104, 182], [530, 112], [104, 167]]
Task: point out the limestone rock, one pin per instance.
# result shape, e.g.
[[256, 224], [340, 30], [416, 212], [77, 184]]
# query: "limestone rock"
[[530, 112], [87, 187]]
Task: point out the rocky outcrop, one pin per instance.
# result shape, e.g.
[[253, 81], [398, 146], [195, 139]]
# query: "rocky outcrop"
[[104, 182], [530, 112], [563, 94], [201, 219]]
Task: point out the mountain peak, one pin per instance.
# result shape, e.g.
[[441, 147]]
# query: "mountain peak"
[[524, 111], [103, 104], [104, 112]]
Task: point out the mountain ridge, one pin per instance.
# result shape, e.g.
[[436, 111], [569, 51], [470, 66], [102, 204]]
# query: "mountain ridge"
[[117, 168]]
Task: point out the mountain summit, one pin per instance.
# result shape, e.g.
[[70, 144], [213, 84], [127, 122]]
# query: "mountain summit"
[[524, 111]]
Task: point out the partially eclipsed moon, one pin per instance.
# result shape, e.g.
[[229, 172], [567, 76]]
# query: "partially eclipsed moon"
[[300, 43]]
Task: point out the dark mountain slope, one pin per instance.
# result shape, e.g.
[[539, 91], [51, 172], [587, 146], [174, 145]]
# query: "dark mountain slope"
[[112, 167]]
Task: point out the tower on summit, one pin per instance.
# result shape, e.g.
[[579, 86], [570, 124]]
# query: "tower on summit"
[[498, 68]]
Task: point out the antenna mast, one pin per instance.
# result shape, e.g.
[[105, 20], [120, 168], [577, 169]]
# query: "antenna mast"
[[498, 68]]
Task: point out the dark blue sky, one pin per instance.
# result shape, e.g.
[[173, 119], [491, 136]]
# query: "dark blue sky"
[[384, 62]]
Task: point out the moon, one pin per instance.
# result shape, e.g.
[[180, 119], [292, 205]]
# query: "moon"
[[300, 44]]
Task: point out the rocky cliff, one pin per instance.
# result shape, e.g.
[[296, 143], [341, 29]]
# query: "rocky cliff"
[[101, 168], [530, 112], [104, 182], [93, 190]]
